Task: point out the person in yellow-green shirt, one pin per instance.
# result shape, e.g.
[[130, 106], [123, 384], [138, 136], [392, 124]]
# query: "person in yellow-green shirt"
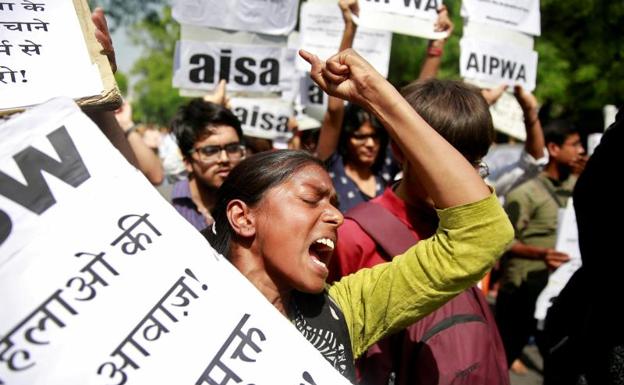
[[276, 221]]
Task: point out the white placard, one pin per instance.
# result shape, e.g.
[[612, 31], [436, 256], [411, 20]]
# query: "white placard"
[[519, 15], [263, 117], [321, 30], [508, 117], [498, 63], [273, 17], [257, 68], [103, 282], [43, 54], [423, 9], [312, 97], [567, 242], [407, 17]]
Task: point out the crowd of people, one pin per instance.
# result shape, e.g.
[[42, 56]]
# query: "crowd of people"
[[392, 220]]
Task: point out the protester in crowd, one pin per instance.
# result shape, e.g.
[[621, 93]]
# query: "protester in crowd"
[[583, 336], [149, 162], [210, 139], [352, 142], [533, 157], [279, 190], [533, 208], [470, 349]]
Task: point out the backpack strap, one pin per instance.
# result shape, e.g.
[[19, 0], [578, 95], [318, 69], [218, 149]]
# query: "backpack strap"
[[388, 232]]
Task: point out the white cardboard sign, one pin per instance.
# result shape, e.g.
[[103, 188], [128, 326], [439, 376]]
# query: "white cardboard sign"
[[103, 282], [257, 68], [263, 117], [407, 17], [519, 15], [43, 54], [498, 63], [273, 17], [321, 31], [567, 242]]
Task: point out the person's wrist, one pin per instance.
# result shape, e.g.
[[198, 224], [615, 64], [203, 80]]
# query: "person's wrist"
[[130, 129], [435, 48]]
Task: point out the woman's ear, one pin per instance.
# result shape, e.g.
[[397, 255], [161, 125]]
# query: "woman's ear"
[[241, 218]]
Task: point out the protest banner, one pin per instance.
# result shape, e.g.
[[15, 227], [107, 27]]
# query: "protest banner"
[[407, 17], [498, 63], [47, 50], [103, 282], [312, 97], [200, 65], [508, 117], [321, 29], [567, 242], [273, 17], [265, 118], [518, 15]]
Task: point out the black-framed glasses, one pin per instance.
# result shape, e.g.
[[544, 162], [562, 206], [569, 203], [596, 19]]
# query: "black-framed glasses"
[[210, 153]]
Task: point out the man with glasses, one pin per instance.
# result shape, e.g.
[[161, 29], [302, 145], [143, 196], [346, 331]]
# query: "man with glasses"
[[210, 139]]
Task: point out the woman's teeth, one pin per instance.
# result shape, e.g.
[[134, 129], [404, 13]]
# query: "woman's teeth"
[[327, 242]]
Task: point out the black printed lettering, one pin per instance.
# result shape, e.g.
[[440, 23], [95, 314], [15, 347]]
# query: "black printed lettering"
[[35, 195]]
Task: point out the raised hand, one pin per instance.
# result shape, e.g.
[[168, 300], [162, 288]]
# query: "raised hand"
[[349, 7], [219, 96], [103, 37], [345, 75], [443, 22], [491, 95]]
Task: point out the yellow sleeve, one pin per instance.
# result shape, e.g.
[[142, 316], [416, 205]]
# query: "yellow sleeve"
[[393, 295]]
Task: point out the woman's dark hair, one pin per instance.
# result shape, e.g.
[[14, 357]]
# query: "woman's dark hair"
[[248, 181], [354, 117], [457, 111], [191, 120]]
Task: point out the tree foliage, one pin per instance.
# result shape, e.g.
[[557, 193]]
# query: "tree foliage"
[[127, 12], [580, 67], [155, 100]]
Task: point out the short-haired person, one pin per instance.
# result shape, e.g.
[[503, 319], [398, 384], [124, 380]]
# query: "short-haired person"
[[460, 114], [276, 221], [210, 140], [533, 209]]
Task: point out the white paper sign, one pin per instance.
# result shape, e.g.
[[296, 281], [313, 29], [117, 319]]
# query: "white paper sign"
[[103, 282], [313, 97], [498, 63], [245, 67], [519, 15], [263, 117], [407, 17], [43, 54], [321, 30], [273, 17], [424, 9], [567, 242], [508, 117]]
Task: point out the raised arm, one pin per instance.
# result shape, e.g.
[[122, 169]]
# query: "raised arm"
[[105, 120], [534, 144], [332, 121], [447, 176], [148, 162], [435, 48]]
